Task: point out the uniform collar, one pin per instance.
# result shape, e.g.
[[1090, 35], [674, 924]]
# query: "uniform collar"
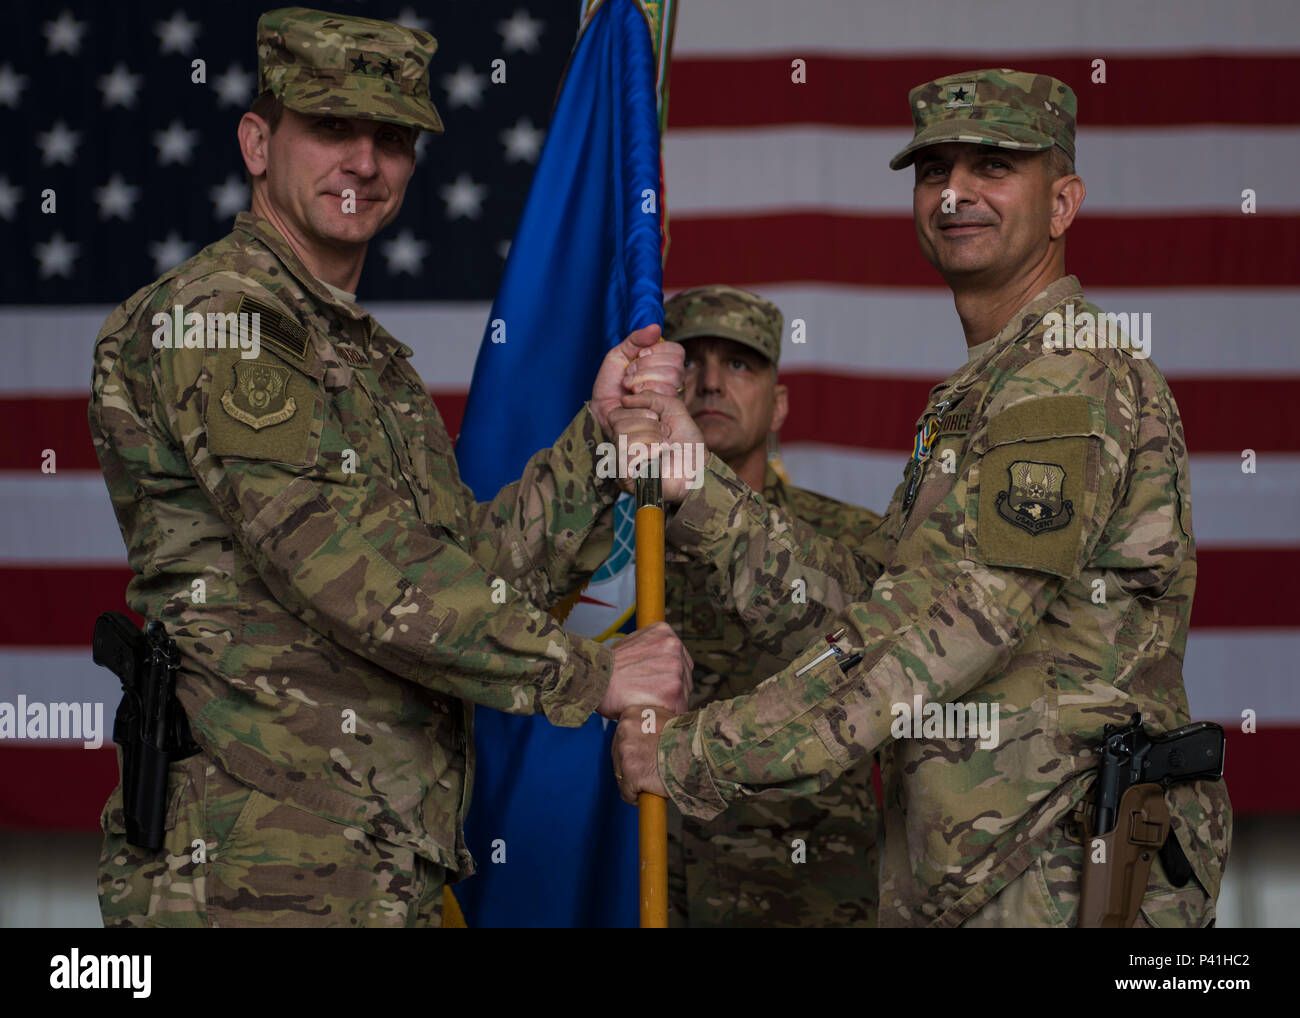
[[774, 489], [1023, 321], [1018, 326], [269, 237]]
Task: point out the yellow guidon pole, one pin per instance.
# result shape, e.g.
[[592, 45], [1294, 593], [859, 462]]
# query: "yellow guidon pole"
[[652, 810]]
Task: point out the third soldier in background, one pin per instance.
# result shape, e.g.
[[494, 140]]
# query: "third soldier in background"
[[798, 862]]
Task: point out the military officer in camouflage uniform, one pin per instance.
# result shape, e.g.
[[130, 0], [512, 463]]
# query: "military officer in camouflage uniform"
[[796, 862], [1042, 562], [293, 512]]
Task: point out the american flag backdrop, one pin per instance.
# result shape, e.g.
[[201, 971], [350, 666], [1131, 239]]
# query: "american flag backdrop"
[[774, 185]]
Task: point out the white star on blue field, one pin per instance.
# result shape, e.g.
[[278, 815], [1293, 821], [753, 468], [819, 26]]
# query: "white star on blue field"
[[102, 109]]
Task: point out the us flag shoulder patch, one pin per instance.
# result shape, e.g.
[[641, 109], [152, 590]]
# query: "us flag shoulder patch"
[[276, 327]]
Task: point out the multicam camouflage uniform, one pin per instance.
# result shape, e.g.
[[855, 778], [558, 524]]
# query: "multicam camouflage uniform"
[[987, 598], [739, 869], [337, 595], [1069, 477]]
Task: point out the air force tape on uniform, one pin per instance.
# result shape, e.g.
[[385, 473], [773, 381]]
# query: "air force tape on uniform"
[[1068, 477]]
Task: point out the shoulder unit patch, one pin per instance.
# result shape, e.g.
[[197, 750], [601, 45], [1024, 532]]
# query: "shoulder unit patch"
[[1035, 500], [259, 398]]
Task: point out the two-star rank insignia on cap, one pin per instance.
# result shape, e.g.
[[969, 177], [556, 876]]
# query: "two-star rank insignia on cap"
[[372, 63], [1035, 501]]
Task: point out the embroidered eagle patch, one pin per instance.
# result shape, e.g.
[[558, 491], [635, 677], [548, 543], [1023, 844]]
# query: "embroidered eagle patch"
[[1035, 499], [259, 397]]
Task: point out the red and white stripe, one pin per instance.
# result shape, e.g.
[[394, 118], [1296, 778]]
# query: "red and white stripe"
[[785, 189]]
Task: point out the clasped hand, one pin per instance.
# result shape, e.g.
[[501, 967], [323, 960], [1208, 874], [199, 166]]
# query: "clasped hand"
[[637, 397]]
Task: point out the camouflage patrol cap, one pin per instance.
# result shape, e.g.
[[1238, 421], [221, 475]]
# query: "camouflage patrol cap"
[[727, 312], [320, 63], [1009, 109]]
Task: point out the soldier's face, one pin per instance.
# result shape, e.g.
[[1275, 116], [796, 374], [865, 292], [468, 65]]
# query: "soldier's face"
[[731, 392], [312, 161], [997, 221]]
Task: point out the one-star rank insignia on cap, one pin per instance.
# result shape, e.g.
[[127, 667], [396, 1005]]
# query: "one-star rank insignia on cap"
[[958, 94], [259, 398], [1035, 502]]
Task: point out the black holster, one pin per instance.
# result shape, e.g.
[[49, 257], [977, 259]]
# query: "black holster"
[[150, 726]]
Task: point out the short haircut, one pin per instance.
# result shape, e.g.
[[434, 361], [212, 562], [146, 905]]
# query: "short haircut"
[[1058, 164], [270, 107]]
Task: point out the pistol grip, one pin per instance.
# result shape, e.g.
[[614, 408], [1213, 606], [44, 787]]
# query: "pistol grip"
[[1117, 865]]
